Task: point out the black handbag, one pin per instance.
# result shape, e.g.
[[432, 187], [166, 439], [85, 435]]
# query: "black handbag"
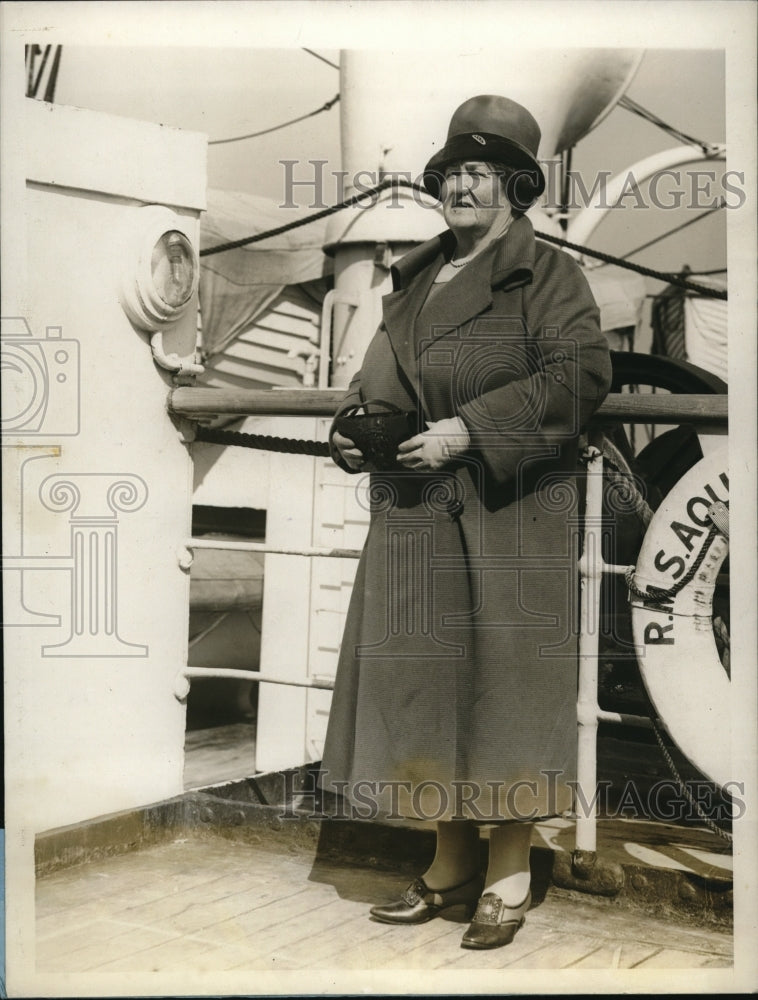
[[377, 435]]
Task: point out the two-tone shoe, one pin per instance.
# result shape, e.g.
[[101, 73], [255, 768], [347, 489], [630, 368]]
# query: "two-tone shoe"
[[419, 903], [494, 923]]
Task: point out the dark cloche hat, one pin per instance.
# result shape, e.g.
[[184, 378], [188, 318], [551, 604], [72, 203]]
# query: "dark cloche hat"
[[497, 130]]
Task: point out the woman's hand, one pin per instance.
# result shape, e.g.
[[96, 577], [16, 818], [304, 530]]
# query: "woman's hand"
[[348, 452], [436, 446]]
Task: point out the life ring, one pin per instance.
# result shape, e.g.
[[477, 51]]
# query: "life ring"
[[673, 634]]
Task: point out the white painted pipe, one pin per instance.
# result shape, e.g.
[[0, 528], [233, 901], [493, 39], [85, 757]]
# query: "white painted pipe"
[[624, 719], [234, 546], [590, 574], [255, 675], [606, 197]]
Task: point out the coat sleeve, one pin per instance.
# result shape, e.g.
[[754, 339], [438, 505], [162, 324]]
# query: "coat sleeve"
[[564, 373], [352, 397]]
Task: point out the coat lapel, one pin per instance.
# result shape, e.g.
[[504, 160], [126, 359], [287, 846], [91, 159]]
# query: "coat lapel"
[[467, 295], [401, 307], [513, 262], [508, 263]]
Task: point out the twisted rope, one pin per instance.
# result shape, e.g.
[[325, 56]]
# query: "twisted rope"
[[622, 479], [661, 594], [648, 272], [713, 827], [288, 446], [275, 128], [620, 476], [676, 229], [667, 276], [649, 116], [296, 223]]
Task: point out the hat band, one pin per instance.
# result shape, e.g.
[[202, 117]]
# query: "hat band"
[[492, 149]]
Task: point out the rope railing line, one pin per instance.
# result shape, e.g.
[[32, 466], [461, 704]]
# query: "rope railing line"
[[676, 229], [629, 104], [676, 408], [275, 128], [322, 58], [713, 827], [324, 213], [669, 277], [264, 442]]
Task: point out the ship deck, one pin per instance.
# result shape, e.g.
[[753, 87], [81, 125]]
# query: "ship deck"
[[229, 888], [210, 904]]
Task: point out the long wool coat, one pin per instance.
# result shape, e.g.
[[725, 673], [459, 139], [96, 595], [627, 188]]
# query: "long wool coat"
[[456, 686]]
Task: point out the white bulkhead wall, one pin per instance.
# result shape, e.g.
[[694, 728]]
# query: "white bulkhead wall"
[[99, 492]]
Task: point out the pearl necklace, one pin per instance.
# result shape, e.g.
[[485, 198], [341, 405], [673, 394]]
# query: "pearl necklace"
[[465, 260]]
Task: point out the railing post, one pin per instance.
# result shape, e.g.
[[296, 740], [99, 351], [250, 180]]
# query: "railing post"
[[590, 575], [708, 412], [585, 871]]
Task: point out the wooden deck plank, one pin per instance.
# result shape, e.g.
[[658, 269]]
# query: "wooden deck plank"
[[563, 951], [153, 905], [52, 924], [221, 898], [191, 863], [343, 936], [529, 940], [717, 962], [367, 943], [366, 886], [325, 941], [394, 949], [350, 928], [181, 952], [282, 943], [148, 902], [79, 936], [130, 942], [264, 917], [607, 919], [429, 952], [211, 904], [673, 958], [116, 899], [235, 921], [616, 956]]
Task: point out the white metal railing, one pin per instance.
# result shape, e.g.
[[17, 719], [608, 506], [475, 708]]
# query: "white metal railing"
[[256, 675], [706, 411], [186, 556], [592, 566]]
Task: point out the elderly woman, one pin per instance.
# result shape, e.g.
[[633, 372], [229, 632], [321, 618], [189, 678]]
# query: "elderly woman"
[[455, 697]]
